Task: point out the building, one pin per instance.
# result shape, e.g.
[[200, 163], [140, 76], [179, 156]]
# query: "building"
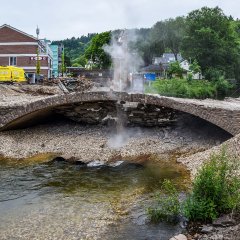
[[20, 49], [185, 65], [54, 49], [57, 59], [167, 58], [160, 66]]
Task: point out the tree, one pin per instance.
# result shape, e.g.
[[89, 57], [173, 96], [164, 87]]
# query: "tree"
[[67, 61], [82, 61], [38, 64], [194, 67], [95, 52], [169, 34], [175, 69], [63, 63], [75, 47], [210, 39], [76, 65]]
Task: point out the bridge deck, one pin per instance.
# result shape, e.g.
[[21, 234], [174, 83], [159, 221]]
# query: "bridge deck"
[[225, 114]]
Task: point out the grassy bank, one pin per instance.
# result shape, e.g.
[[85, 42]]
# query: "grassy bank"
[[184, 88], [215, 191]]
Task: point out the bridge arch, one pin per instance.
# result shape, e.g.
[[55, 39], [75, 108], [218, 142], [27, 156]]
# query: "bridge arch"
[[225, 118]]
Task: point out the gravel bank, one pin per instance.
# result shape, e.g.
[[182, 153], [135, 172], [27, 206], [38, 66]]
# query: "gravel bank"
[[87, 143], [195, 161]]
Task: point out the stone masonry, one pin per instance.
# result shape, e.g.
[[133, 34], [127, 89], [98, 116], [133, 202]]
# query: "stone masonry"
[[224, 114]]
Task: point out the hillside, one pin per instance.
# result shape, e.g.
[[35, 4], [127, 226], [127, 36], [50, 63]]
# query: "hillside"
[[75, 47]]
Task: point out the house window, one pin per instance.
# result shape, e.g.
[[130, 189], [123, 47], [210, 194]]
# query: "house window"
[[13, 61]]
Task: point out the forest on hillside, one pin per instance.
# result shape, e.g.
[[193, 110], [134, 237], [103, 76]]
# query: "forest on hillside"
[[75, 47], [207, 36]]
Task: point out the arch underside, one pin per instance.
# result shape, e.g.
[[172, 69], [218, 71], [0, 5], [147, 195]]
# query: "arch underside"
[[71, 103]]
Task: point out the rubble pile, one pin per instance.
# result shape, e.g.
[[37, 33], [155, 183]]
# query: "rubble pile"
[[79, 84], [83, 84]]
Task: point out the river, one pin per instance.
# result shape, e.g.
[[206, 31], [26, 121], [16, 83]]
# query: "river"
[[60, 200]]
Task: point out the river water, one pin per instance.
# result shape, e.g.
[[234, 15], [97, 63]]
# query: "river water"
[[59, 200]]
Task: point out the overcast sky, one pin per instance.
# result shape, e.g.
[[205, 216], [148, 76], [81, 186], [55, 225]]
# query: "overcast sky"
[[60, 19]]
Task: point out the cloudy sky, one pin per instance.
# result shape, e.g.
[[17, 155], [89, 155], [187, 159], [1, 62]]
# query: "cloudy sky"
[[60, 19]]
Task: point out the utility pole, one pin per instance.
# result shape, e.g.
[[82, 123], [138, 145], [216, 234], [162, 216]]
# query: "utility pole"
[[38, 67]]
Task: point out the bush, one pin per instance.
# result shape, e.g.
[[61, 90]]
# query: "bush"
[[222, 87], [187, 88], [216, 189], [213, 74], [168, 205], [183, 88]]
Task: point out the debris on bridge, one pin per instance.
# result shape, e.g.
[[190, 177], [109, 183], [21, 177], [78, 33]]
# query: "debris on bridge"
[[68, 84]]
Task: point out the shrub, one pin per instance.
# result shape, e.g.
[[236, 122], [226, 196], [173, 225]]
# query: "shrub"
[[168, 205], [175, 69], [188, 88], [213, 74], [222, 87], [183, 88], [216, 189]]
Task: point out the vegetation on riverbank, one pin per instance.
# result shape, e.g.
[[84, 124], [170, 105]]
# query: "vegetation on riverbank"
[[215, 191], [167, 204], [190, 88]]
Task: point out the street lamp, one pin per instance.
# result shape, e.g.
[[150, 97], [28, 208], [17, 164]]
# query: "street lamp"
[[37, 31]]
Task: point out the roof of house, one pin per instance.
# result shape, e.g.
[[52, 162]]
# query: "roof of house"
[[167, 58], [17, 30], [154, 68]]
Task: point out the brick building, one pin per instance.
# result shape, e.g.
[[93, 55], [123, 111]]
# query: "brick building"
[[20, 49]]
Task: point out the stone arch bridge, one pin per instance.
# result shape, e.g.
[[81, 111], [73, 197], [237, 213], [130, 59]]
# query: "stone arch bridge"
[[224, 114]]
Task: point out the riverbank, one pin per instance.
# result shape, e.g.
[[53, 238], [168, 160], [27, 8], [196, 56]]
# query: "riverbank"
[[194, 161], [226, 226]]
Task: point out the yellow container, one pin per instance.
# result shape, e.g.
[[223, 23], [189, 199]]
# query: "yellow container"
[[12, 74]]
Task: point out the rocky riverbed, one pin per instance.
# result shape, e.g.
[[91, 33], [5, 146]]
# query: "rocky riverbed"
[[100, 143]]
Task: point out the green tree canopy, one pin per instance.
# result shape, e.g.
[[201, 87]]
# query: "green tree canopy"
[[194, 67], [176, 69], [95, 50], [169, 34], [211, 40], [75, 47]]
